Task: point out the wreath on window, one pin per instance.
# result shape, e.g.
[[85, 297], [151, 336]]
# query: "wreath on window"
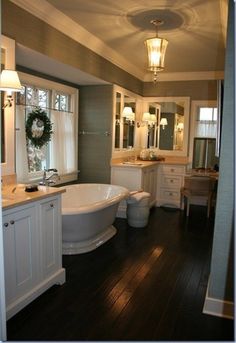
[[38, 128]]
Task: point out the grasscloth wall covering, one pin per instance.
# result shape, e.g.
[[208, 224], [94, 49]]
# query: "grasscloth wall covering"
[[35, 34], [196, 90], [95, 116]]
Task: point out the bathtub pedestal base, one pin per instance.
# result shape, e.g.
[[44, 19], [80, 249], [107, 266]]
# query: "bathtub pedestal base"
[[73, 248]]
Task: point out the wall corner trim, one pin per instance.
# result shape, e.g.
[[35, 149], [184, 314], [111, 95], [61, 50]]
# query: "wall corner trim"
[[218, 307]]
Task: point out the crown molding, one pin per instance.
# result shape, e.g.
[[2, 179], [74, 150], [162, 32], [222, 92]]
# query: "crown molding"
[[186, 76], [55, 18]]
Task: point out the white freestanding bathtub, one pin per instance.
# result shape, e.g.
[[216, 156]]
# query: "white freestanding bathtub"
[[88, 212]]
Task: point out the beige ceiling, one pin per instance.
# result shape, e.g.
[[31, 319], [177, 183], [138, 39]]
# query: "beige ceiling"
[[195, 30]]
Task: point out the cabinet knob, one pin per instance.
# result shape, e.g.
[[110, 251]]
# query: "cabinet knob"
[[12, 222], [51, 205], [6, 224], [171, 181], [172, 170]]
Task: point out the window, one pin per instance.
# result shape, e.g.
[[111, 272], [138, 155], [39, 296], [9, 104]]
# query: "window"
[[61, 152], [27, 100], [207, 113], [206, 123], [62, 102]]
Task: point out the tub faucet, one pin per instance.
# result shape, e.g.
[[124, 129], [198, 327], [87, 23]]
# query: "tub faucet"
[[51, 179]]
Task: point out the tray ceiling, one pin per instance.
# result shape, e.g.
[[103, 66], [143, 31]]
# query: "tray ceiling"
[[195, 29]]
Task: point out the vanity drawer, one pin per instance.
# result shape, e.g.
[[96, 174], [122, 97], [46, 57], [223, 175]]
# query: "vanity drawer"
[[170, 194], [172, 169], [171, 181]]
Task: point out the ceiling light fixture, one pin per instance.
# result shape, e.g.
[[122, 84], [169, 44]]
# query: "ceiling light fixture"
[[156, 48]]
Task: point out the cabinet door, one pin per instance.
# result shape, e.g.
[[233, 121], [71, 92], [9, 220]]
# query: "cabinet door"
[[149, 183], [21, 253], [128, 177], [50, 228]]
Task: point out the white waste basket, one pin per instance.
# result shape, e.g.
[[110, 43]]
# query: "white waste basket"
[[138, 209]]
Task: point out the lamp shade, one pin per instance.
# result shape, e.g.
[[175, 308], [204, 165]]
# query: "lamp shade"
[[9, 81], [153, 118], [127, 111], [146, 116], [131, 116], [163, 122], [156, 49]]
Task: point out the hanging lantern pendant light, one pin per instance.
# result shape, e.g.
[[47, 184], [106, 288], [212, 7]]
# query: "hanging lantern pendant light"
[[156, 48]]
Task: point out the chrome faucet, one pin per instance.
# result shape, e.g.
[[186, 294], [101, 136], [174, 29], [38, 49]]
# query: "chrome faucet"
[[51, 179]]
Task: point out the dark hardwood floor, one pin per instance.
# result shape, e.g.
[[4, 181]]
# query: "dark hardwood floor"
[[144, 284]]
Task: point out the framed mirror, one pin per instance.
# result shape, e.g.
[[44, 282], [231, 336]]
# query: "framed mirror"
[[128, 122], [7, 114], [169, 134], [203, 134], [204, 153], [124, 120], [117, 120], [3, 145]]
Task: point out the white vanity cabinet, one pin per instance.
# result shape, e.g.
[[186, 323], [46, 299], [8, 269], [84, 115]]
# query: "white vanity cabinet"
[[50, 229], [149, 180], [32, 251], [170, 180], [21, 252], [135, 178]]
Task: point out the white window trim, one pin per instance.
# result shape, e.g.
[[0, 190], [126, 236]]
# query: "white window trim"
[[74, 93], [195, 104]]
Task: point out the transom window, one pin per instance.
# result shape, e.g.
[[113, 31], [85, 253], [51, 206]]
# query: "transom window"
[[207, 114], [206, 122], [62, 102]]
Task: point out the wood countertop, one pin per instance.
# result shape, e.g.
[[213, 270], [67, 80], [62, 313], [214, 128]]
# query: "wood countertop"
[[203, 172], [14, 194], [143, 164], [135, 164]]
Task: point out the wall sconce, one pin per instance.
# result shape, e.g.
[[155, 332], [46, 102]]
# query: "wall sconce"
[[148, 119], [156, 49], [163, 123], [180, 127], [153, 119], [128, 114], [9, 82]]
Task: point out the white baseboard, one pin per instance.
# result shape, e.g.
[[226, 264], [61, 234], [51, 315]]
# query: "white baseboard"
[[218, 307]]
